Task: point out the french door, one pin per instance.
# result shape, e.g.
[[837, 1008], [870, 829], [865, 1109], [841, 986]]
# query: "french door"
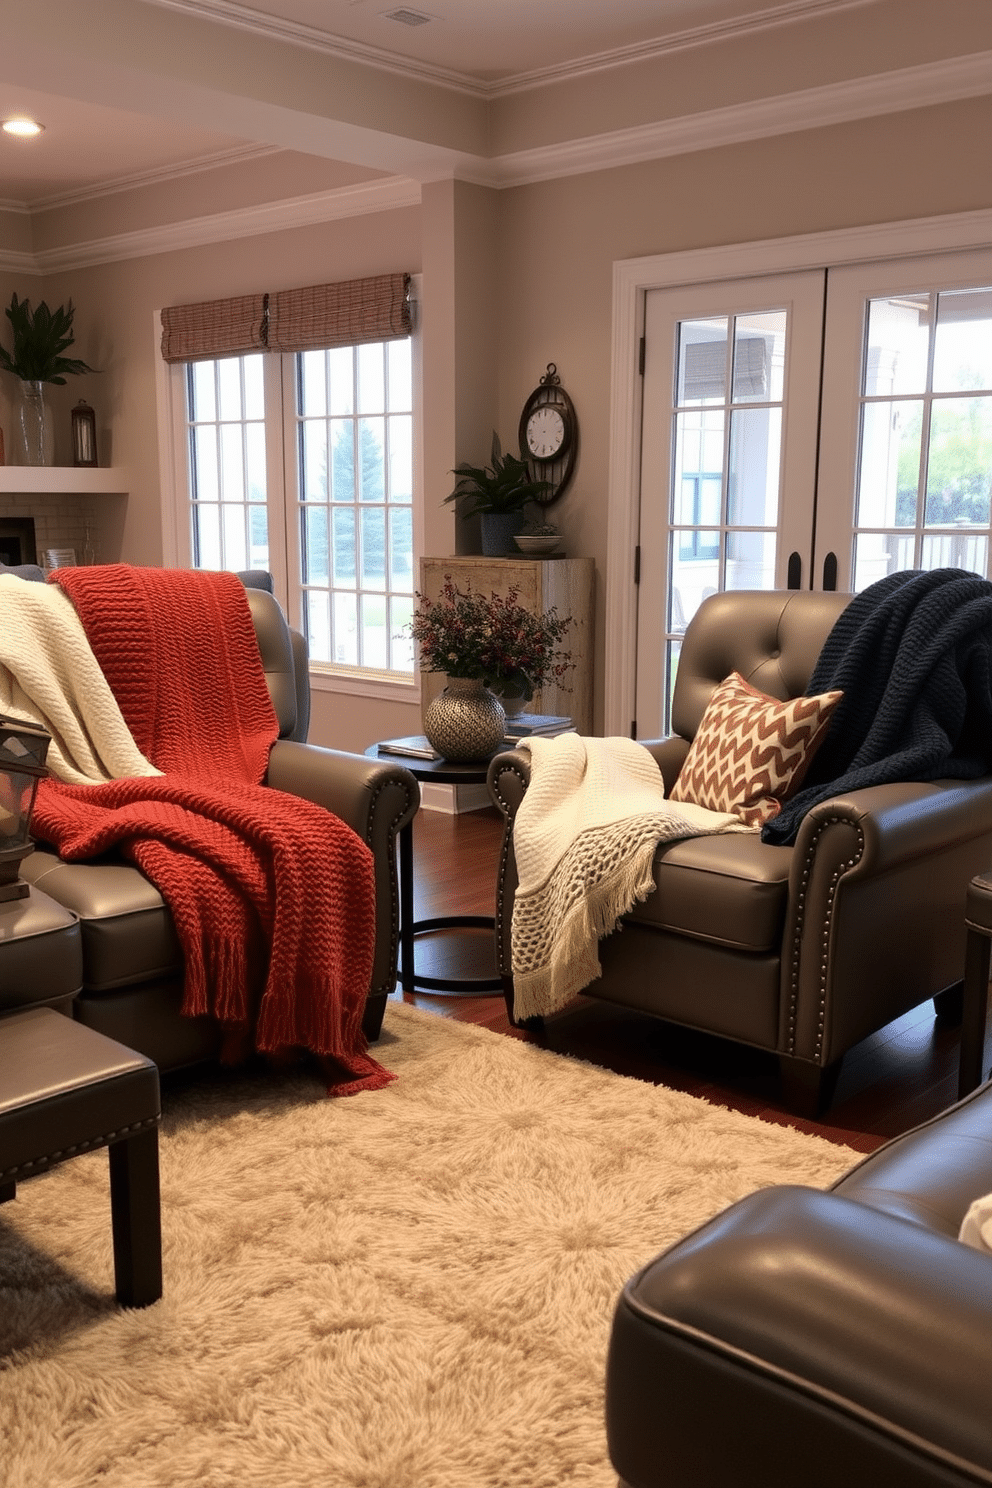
[[815, 429]]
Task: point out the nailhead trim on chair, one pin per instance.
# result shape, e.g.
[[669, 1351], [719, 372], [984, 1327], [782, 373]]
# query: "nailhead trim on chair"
[[24, 1170], [393, 885], [839, 873], [511, 767]]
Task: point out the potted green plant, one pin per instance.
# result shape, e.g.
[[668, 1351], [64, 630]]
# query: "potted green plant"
[[499, 493], [40, 339]]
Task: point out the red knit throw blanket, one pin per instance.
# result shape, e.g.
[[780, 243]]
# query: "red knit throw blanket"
[[273, 898]]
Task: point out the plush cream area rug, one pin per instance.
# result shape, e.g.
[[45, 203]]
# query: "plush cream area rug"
[[410, 1288]]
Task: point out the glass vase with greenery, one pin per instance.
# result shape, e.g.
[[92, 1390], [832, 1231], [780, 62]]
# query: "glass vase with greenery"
[[41, 337]]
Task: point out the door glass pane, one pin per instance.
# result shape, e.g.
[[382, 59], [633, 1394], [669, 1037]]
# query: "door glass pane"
[[750, 560], [956, 550], [962, 355], [898, 345], [702, 361], [890, 463], [759, 357], [959, 462], [698, 465], [755, 453], [879, 553]]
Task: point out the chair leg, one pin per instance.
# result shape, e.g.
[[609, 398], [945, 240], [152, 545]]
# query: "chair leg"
[[136, 1217], [8, 1191], [949, 1005], [807, 1089]]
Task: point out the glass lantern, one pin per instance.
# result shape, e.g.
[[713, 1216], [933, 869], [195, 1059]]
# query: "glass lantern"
[[23, 748]]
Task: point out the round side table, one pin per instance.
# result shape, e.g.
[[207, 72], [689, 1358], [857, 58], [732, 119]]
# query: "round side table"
[[438, 772]]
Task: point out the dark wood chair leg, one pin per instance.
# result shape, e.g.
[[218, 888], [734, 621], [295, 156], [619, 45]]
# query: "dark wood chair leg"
[[135, 1210], [807, 1089], [8, 1191], [949, 1006], [508, 998]]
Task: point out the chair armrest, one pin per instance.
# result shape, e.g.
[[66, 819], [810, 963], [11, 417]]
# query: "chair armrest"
[[375, 798], [886, 866], [898, 822], [841, 1324]]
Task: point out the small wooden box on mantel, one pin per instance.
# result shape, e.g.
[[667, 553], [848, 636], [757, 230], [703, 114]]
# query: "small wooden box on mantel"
[[542, 584]]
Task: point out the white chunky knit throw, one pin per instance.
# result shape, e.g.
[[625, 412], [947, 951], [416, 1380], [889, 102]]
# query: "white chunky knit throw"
[[49, 676], [584, 839]]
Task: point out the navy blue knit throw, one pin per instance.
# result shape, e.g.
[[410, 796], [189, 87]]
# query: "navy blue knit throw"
[[912, 655]]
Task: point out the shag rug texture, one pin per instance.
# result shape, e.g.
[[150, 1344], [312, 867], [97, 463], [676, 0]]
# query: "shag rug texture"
[[409, 1288]]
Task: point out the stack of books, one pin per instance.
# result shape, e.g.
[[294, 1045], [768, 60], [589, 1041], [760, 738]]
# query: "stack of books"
[[413, 746], [521, 726], [527, 725]]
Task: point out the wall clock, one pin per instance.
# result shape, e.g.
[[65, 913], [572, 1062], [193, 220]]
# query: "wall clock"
[[549, 435]]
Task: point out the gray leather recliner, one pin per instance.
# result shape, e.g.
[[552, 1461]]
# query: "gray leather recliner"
[[802, 950], [132, 965]]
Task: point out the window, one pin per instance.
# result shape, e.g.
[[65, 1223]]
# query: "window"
[[925, 456], [302, 462]]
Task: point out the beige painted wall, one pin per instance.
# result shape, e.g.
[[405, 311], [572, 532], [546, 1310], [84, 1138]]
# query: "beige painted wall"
[[513, 280], [558, 242]]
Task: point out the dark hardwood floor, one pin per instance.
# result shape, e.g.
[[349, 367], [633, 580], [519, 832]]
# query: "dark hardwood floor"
[[899, 1077]]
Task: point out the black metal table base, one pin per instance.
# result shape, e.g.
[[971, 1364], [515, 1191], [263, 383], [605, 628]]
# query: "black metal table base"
[[412, 980]]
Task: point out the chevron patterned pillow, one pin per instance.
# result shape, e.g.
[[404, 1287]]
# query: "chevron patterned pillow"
[[751, 751]]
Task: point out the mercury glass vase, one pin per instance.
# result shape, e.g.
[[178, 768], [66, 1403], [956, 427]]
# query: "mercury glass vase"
[[465, 723], [35, 442]]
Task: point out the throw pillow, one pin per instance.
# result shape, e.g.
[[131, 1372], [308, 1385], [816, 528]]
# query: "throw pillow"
[[751, 751]]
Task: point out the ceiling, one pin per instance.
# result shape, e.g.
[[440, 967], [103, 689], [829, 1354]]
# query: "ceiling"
[[483, 46]]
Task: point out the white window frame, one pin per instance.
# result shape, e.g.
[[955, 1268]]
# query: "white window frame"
[[632, 279], [177, 537]]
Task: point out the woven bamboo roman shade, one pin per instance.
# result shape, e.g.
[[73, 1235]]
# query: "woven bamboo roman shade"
[[214, 328], [376, 309], [321, 315]]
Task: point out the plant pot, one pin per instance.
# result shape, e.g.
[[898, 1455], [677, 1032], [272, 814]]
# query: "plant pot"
[[34, 435], [465, 723], [498, 531]]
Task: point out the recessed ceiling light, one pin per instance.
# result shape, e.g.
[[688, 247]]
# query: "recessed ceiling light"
[[25, 127]]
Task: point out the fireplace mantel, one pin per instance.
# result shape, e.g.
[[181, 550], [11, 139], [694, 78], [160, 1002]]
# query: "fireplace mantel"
[[64, 480]]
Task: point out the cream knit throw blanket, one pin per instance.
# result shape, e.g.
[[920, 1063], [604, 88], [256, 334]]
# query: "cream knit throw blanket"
[[584, 839], [49, 676]]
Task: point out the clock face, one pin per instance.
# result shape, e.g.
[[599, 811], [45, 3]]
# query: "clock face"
[[545, 433]]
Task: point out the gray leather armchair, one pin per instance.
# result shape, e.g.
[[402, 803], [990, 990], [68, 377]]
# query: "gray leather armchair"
[[132, 966], [816, 1339], [802, 950]]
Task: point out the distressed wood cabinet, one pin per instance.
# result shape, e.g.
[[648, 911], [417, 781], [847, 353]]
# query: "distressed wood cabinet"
[[541, 584]]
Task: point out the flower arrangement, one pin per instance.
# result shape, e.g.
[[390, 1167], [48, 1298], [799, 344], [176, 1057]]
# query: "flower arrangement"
[[466, 634]]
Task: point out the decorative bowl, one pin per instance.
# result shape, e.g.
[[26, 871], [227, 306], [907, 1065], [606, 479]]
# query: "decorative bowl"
[[536, 546]]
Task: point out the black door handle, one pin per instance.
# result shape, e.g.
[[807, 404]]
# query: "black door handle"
[[830, 572], [795, 571]]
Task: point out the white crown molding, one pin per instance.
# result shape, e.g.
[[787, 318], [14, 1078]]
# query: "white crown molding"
[[916, 87], [834, 103], [666, 46], [221, 227], [156, 176], [279, 28]]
